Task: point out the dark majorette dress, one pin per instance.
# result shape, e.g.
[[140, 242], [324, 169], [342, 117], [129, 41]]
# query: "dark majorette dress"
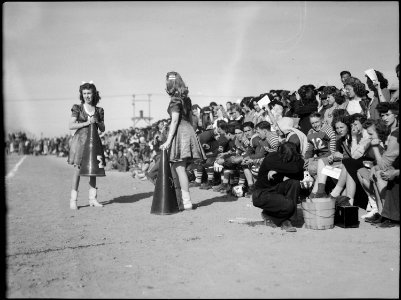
[[78, 140], [185, 144]]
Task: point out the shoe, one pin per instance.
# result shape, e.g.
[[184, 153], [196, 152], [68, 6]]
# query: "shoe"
[[225, 189], [187, 204], [369, 214], [92, 198], [387, 224], [206, 186], [248, 194], [287, 226], [373, 218], [268, 222], [194, 184], [217, 188], [381, 219]]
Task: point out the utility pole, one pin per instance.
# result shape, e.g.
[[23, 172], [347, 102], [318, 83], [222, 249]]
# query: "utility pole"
[[141, 117]]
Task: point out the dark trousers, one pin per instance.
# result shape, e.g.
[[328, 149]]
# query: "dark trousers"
[[279, 202]]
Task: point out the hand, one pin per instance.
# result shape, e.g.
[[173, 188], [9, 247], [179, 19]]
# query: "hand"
[[389, 175], [165, 146], [374, 142], [330, 159], [92, 120], [220, 161], [271, 174]]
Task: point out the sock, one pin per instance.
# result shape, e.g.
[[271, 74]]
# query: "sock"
[[210, 174], [185, 196], [236, 178], [226, 176], [321, 188], [336, 191], [198, 175], [222, 176], [242, 178]]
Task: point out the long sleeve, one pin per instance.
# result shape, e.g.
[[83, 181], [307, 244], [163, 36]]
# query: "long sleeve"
[[391, 153]]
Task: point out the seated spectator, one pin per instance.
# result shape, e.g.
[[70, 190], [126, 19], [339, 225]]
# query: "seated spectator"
[[355, 91], [321, 143]]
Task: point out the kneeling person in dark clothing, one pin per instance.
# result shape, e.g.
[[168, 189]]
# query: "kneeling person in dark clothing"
[[278, 185]]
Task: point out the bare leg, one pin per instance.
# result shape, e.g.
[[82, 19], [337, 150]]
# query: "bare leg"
[[350, 186], [75, 179], [179, 168], [340, 183], [320, 178]]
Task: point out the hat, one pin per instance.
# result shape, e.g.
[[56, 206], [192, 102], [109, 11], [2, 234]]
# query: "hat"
[[285, 123]]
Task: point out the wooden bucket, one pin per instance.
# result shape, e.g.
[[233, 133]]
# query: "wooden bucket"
[[319, 214]]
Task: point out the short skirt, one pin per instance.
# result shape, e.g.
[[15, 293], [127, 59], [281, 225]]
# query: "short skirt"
[[77, 146], [185, 144]]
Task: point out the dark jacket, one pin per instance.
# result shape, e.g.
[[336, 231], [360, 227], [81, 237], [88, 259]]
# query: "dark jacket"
[[273, 162]]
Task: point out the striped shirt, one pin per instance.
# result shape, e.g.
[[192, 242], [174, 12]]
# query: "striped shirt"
[[321, 143]]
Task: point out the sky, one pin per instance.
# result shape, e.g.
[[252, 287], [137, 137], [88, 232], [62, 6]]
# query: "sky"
[[223, 50]]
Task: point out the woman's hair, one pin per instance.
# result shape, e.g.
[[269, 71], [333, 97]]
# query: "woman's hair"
[[357, 85], [340, 112], [343, 119], [380, 127], [288, 152], [307, 93], [338, 97], [95, 94], [383, 82], [175, 85], [357, 117], [247, 101], [384, 107]]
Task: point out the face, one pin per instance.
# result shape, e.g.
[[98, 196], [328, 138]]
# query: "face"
[[350, 91], [248, 132], [341, 129], [238, 133], [372, 132], [316, 123], [389, 118], [262, 133], [87, 95], [356, 126], [344, 77], [256, 106], [228, 106], [330, 99]]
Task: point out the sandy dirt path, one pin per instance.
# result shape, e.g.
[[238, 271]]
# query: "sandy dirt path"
[[123, 251]]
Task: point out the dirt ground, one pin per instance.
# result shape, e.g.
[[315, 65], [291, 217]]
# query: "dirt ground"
[[124, 251]]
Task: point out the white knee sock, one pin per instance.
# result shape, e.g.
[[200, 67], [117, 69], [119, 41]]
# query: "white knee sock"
[[185, 196]]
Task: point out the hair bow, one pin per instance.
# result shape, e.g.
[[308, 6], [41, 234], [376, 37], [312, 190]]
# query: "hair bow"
[[83, 82]]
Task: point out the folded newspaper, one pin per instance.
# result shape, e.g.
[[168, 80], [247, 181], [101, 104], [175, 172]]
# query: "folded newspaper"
[[331, 171]]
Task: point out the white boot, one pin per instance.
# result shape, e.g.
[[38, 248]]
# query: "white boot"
[[186, 200], [92, 198], [73, 199]]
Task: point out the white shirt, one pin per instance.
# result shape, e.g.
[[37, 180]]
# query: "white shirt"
[[354, 107]]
